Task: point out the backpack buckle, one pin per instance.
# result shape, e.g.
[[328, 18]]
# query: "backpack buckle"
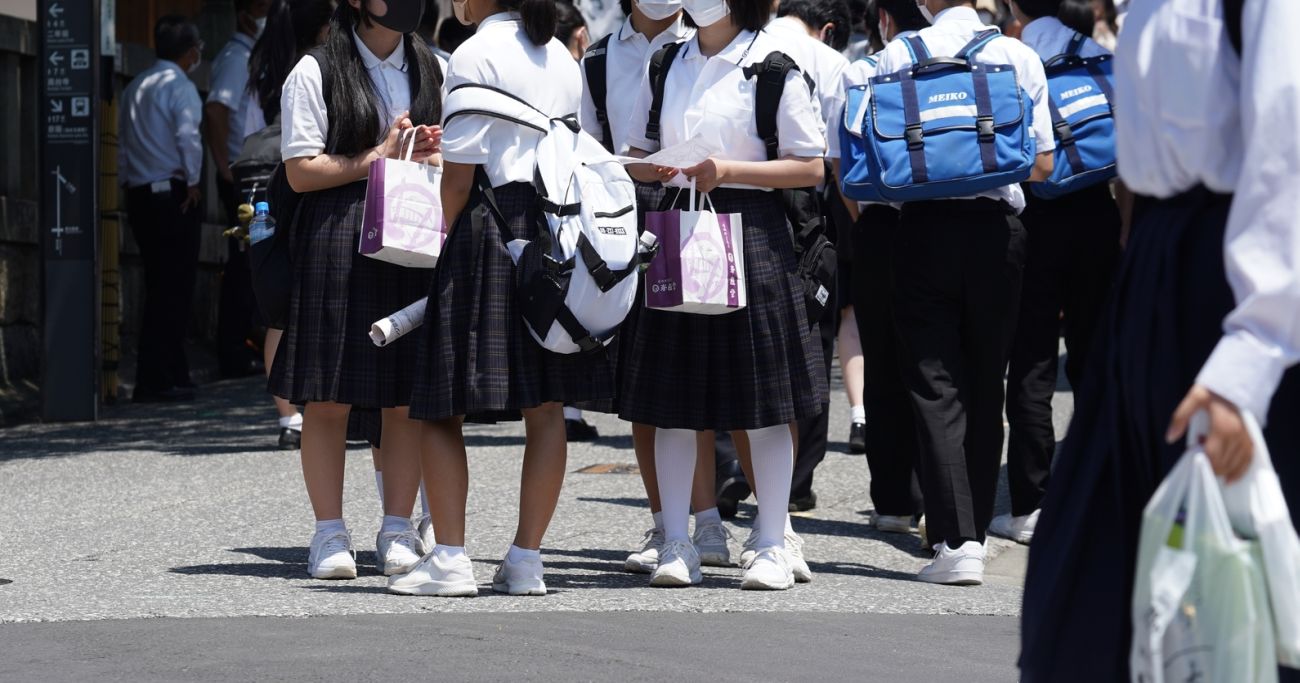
[[601, 274], [1063, 133], [915, 137], [984, 128]]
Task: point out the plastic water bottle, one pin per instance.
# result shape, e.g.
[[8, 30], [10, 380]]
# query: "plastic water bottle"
[[263, 225]]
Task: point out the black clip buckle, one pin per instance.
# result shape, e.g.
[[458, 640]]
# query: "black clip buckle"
[[915, 137], [984, 128]]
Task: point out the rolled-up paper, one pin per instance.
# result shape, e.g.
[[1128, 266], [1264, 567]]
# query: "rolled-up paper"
[[390, 329]]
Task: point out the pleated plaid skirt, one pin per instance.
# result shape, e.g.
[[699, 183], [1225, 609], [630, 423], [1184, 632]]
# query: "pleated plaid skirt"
[[756, 367], [326, 353], [476, 357]]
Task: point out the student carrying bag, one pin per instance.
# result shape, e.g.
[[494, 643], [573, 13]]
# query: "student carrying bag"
[[1083, 121], [573, 281], [942, 127]]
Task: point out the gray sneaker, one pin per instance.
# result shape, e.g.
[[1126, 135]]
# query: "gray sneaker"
[[645, 560], [711, 541]]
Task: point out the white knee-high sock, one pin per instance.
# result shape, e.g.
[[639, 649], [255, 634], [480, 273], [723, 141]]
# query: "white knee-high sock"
[[773, 454], [379, 486], [424, 498], [675, 462]]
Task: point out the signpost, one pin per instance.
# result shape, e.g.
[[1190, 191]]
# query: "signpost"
[[69, 177]]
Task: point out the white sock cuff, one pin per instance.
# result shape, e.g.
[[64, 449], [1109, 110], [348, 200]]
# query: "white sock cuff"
[[572, 413], [448, 552], [659, 520], [395, 523], [293, 422], [859, 413], [707, 517], [330, 525], [517, 554]]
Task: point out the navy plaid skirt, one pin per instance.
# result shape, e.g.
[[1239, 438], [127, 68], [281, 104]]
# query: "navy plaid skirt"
[[476, 357], [756, 367], [326, 353]]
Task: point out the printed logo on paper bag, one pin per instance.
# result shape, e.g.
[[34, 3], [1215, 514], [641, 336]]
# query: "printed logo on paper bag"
[[412, 217], [704, 274]]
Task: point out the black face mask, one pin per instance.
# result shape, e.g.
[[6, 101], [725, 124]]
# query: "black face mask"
[[403, 15]]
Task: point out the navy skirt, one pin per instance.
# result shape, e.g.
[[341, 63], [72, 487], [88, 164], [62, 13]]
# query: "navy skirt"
[[1163, 319], [326, 353], [756, 367], [476, 357]]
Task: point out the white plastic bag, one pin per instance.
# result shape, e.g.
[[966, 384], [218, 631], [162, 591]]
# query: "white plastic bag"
[[1200, 608], [1258, 510]]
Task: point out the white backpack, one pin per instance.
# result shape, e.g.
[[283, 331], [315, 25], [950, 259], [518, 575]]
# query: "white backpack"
[[574, 281]]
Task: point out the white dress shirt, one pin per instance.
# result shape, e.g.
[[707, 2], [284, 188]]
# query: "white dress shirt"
[[955, 27], [627, 56], [710, 97], [158, 127], [818, 60], [500, 55], [1191, 112], [304, 117], [229, 81]]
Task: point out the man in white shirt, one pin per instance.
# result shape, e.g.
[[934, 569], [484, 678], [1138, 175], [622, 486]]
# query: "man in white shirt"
[[160, 161], [223, 123], [957, 267]]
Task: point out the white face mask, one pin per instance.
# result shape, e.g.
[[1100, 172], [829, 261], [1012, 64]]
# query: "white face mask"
[[658, 10], [706, 12], [458, 8], [261, 26], [925, 11]]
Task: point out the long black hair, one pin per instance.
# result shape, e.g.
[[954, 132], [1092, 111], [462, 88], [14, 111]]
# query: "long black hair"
[[539, 17], [1079, 15], [352, 96], [292, 28]]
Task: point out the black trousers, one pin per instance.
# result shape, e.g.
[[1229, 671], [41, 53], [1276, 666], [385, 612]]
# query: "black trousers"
[[814, 433], [1070, 263], [169, 249], [235, 313], [957, 271], [891, 423]]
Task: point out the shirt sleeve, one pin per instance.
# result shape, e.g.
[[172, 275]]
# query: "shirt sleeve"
[[229, 78], [465, 138], [304, 119], [640, 117], [187, 114], [833, 109], [1262, 241], [1034, 81], [800, 130]]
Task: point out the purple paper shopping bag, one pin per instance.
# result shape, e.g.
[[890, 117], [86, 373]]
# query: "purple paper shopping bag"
[[700, 267], [403, 223]]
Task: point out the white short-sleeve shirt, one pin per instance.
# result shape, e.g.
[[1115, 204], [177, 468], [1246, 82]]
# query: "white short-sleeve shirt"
[[710, 97], [817, 59], [304, 117], [229, 80], [955, 27], [500, 55], [627, 56]]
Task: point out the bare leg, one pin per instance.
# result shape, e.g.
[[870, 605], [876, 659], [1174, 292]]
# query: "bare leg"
[[643, 444], [850, 351], [704, 493], [269, 347], [324, 443], [446, 476], [741, 439], [545, 455], [401, 461]]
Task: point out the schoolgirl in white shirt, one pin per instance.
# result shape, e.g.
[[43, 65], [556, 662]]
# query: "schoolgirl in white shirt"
[[757, 369], [382, 89], [478, 361]]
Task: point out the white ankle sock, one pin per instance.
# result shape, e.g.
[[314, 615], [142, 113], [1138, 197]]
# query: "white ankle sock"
[[572, 413], [379, 486], [706, 517], [446, 553], [675, 462], [659, 520], [293, 422], [330, 525], [789, 528], [424, 499], [395, 523], [772, 450], [517, 554], [859, 414]]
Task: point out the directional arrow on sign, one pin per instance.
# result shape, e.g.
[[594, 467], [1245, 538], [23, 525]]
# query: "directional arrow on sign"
[[56, 58], [56, 106], [56, 10]]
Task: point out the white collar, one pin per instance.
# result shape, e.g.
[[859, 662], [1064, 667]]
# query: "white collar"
[[958, 14], [397, 60], [734, 52], [677, 29], [498, 18]]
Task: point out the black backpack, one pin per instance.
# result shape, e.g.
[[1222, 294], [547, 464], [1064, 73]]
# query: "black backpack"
[[593, 63], [803, 206]]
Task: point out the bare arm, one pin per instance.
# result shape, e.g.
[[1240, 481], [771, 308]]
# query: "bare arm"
[[324, 171], [850, 204], [648, 173], [1043, 165], [778, 174], [457, 182]]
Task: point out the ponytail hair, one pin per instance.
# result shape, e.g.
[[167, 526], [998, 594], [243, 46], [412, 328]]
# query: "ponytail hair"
[[539, 17]]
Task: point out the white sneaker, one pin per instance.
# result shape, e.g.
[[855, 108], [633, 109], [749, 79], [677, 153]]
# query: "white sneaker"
[[519, 578], [894, 524], [961, 567], [331, 556], [679, 565], [452, 579], [749, 550], [1019, 529], [397, 552], [770, 571], [794, 555], [426, 535], [711, 541], [646, 559]]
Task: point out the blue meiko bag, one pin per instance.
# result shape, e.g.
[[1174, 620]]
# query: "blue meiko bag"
[[855, 164], [1083, 118], [947, 127]]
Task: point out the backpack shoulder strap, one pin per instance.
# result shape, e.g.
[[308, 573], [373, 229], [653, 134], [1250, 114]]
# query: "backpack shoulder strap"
[[485, 100], [770, 75], [594, 65], [326, 89], [1232, 22], [657, 73], [1076, 44], [981, 39], [917, 47]]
